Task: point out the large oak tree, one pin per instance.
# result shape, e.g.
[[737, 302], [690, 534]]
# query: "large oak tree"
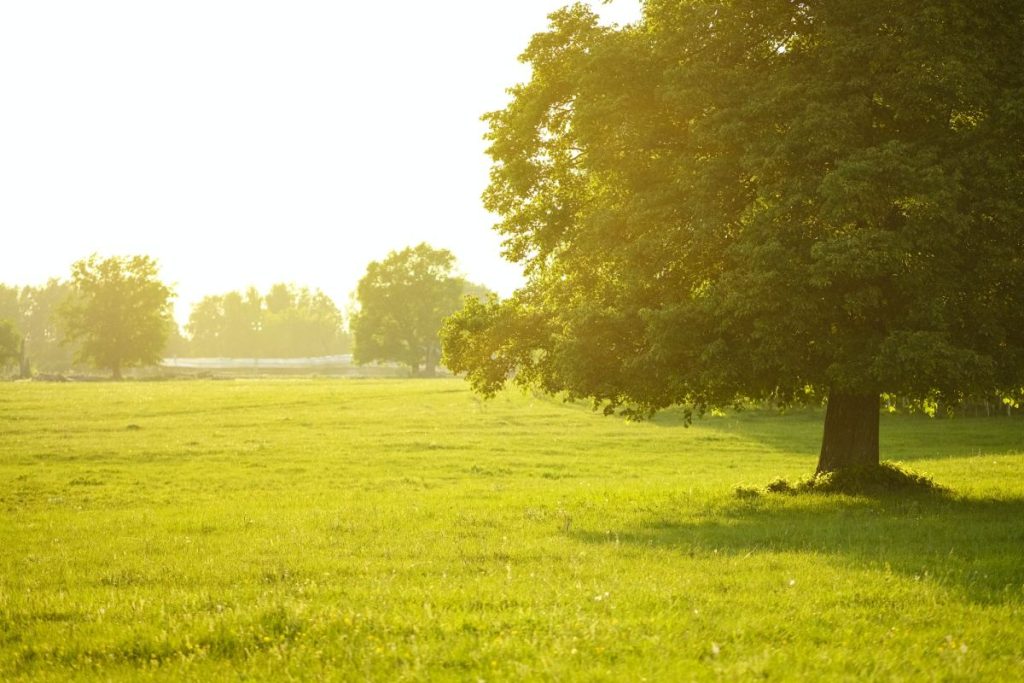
[[762, 199]]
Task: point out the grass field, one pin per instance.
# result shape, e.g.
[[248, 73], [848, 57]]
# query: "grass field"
[[405, 530]]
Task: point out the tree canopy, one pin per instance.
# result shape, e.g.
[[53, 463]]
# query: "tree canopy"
[[289, 322], [762, 200], [402, 302], [10, 344], [118, 311], [32, 310]]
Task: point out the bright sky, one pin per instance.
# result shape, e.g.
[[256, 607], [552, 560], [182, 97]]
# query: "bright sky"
[[251, 142]]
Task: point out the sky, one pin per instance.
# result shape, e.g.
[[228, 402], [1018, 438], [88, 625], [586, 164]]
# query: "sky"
[[252, 142]]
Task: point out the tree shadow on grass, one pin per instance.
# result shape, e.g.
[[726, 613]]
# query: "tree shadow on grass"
[[973, 546], [903, 438]]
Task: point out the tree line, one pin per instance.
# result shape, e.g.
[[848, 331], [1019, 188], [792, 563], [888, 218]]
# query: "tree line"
[[115, 313], [286, 322]]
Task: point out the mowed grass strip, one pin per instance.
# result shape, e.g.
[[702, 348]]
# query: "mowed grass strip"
[[407, 530]]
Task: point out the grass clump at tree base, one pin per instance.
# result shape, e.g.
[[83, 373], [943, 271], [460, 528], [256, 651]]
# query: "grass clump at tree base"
[[887, 478]]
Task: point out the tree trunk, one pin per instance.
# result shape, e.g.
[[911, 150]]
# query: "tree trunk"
[[850, 440], [116, 368]]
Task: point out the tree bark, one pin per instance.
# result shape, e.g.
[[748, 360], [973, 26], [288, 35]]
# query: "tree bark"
[[850, 439]]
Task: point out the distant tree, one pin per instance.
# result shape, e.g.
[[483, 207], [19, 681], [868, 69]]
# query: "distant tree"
[[783, 201], [204, 326], [243, 321], [118, 311], [11, 340], [40, 326], [289, 322], [301, 323], [402, 302], [10, 304], [280, 298], [31, 310], [177, 344], [227, 325], [11, 344]]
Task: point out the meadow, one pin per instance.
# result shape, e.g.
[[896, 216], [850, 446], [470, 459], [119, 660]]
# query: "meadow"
[[392, 530]]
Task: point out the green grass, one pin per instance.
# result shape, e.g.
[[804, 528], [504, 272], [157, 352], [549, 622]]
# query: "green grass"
[[405, 530]]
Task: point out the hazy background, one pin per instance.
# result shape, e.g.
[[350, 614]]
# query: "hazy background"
[[254, 142]]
